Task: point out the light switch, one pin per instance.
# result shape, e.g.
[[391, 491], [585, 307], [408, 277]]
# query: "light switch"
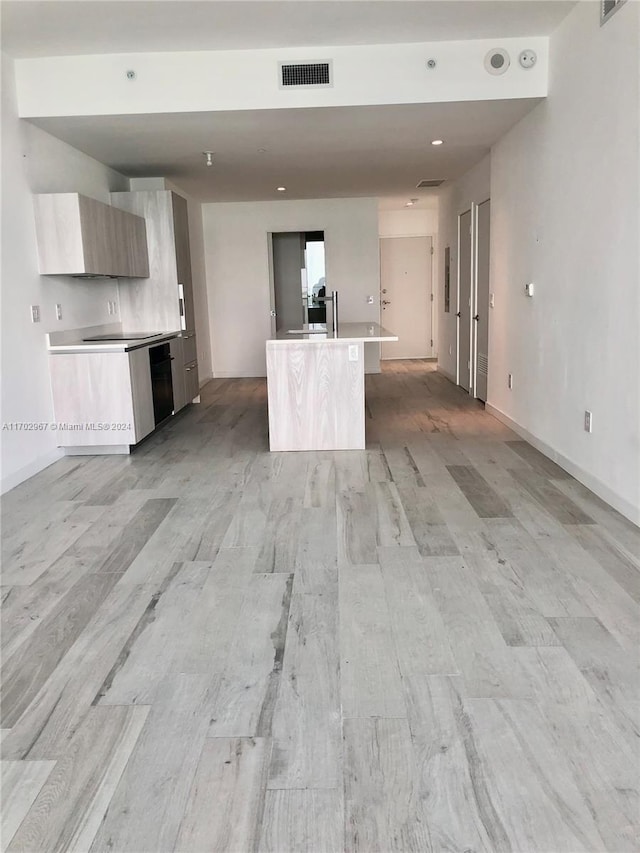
[[528, 288], [492, 300], [369, 300], [58, 311], [35, 313], [353, 352]]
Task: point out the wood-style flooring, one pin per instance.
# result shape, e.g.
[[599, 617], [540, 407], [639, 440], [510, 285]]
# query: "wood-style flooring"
[[430, 645]]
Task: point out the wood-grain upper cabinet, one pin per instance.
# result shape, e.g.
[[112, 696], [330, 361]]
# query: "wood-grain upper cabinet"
[[80, 236], [165, 300]]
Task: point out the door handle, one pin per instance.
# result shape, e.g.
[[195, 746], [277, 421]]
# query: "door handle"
[[384, 290], [458, 314], [385, 302], [477, 317]]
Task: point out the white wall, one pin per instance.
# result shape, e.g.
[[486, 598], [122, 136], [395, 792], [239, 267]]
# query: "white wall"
[[455, 198], [33, 161], [409, 222], [200, 81], [565, 206], [237, 268]]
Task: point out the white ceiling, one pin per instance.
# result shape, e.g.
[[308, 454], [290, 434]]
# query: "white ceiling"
[[33, 28], [333, 152]]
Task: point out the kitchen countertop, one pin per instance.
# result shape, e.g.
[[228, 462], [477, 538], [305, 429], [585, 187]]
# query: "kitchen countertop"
[[79, 345], [353, 332]]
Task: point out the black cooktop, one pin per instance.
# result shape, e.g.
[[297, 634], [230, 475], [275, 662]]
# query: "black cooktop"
[[124, 336]]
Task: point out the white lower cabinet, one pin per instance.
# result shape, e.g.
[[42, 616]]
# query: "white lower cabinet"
[[101, 399]]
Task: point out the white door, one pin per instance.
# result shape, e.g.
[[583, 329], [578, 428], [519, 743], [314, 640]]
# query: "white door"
[[481, 317], [405, 296], [464, 300]]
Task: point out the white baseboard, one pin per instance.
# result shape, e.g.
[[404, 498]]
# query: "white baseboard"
[[12, 480], [622, 505], [98, 450], [223, 374]]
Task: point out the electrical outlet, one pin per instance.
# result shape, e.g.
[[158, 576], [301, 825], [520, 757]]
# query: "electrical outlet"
[[109, 306], [58, 311], [369, 300], [510, 381], [588, 421], [35, 313], [353, 352]]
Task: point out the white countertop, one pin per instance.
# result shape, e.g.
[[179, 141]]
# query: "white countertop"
[[79, 345], [349, 332]]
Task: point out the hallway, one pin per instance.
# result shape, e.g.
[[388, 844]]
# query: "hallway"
[[430, 645]]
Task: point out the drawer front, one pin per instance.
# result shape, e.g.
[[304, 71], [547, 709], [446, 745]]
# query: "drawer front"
[[189, 349]]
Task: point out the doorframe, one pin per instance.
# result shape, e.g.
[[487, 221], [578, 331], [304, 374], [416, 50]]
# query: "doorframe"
[[431, 293], [473, 386], [271, 270], [472, 211], [272, 281]]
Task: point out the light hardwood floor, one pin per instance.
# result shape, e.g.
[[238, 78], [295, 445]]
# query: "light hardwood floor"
[[429, 645]]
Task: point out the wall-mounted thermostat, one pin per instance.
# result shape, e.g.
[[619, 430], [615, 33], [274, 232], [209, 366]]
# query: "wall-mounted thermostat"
[[528, 58], [528, 288]]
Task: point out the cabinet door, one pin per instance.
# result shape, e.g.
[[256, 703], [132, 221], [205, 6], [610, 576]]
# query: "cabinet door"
[[191, 381], [178, 375], [141, 393], [183, 257], [130, 236], [190, 351]]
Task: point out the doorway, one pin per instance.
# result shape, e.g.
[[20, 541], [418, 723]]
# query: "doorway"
[[298, 277], [481, 316], [465, 273], [406, 296], [474, 299]]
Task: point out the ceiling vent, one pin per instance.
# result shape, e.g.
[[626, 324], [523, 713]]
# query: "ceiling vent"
[[424, 184], [309, 75]]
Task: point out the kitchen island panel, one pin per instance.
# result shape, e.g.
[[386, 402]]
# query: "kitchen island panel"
[[316, 395]]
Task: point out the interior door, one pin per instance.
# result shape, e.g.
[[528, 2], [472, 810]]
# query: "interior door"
[[288, 263], [405, 296], [481, 317], [464, 300]]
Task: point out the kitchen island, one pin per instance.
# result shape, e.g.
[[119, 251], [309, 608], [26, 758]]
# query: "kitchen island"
[[315, 386]]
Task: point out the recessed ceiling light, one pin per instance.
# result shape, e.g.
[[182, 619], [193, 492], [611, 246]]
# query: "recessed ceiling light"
[[281, 189], [437, 141]]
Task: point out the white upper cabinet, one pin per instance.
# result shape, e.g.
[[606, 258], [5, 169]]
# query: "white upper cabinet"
[[80, 236]]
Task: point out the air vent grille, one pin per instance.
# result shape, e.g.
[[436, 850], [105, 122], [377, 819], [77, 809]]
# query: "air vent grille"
[[307, 74], [426, 183]]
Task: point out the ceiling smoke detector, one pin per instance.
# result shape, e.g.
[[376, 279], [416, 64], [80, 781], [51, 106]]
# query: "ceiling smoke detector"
[[497, 61], [208, 155]]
